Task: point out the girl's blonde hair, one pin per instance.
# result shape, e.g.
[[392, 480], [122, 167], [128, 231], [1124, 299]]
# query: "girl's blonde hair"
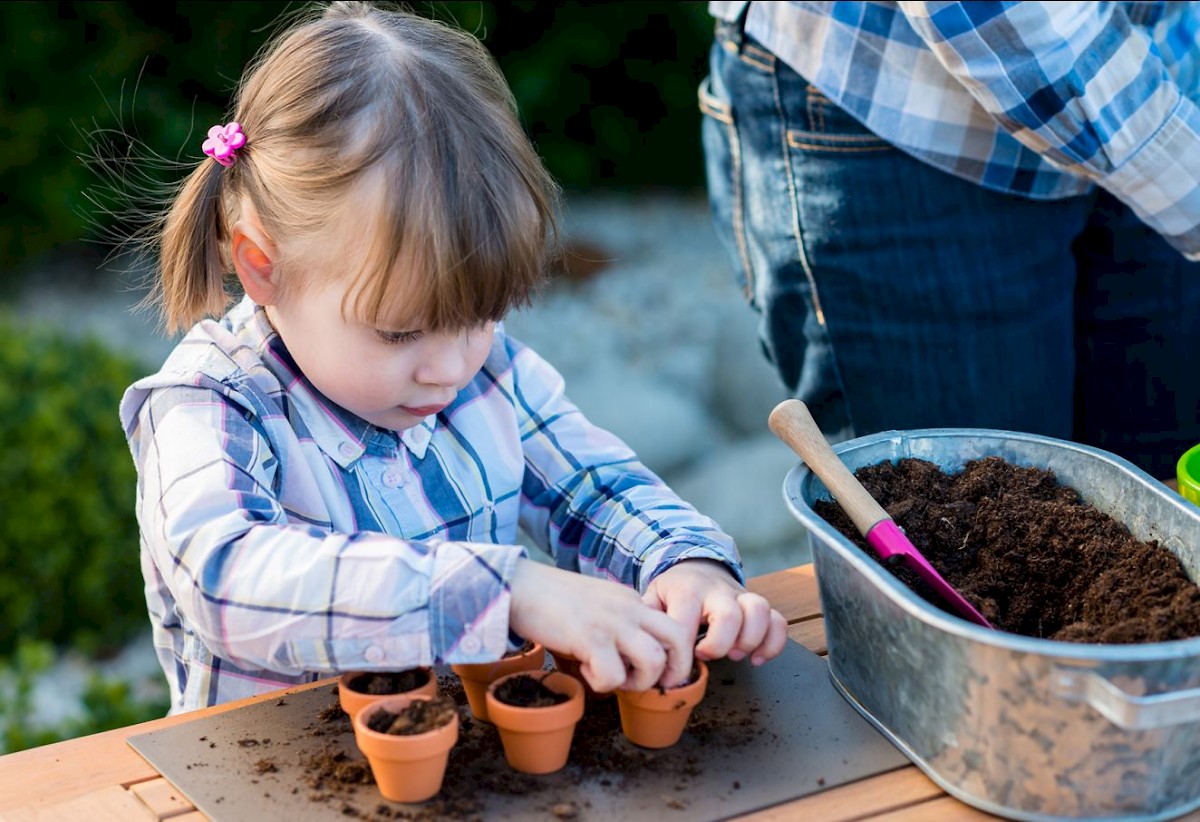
[[458, 198]]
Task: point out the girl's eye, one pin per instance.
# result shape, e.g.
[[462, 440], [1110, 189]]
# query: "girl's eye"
[[398, 337]]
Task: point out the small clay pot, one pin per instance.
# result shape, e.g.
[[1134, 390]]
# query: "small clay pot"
[[570, 665], [407, 768], [477, 676], [538, 740], [353, 701], [655, 718]]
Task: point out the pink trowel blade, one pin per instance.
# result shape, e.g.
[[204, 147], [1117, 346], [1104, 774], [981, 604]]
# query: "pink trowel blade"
[[792, 423], [889, 541]]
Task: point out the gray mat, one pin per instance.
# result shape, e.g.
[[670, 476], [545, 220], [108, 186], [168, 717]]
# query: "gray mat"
[[760, 737]]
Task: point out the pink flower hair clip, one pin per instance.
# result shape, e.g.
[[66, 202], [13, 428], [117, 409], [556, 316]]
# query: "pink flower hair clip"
[[223, 143]]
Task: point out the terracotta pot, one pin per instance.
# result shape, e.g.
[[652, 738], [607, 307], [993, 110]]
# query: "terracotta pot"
[[570, 665], [538, 740], [655, 718], [406, 768], [354, 701], [476, 677]]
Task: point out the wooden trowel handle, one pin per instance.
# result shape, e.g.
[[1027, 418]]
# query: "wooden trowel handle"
[[792, 423]]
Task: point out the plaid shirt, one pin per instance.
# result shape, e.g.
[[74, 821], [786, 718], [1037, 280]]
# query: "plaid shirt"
[[1037, 99], [283, 538]]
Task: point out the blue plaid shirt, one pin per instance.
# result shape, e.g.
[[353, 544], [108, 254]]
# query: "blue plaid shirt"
[[1037, 99], [284, 539]]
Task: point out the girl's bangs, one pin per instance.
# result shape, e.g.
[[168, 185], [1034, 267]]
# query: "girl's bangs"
[[448, 269]]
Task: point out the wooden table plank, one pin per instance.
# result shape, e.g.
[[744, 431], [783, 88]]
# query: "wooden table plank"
[[792, 592], [111, 804], [937, 810], [161, 797], [811, 634], [857, 800]]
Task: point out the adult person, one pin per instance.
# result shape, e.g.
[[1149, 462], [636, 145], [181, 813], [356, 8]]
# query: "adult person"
[[968, 214]]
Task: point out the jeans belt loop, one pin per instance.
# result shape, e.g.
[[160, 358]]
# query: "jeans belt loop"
[[734, 30]]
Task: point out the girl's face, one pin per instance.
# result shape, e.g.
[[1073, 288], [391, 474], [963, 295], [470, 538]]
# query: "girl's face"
[[391, 377]]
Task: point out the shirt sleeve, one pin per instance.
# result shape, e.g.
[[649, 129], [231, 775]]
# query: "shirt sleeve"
[[590, 501], [264, 588], [1082, 86]]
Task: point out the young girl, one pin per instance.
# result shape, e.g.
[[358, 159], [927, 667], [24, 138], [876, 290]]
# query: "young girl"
[[332, 475]]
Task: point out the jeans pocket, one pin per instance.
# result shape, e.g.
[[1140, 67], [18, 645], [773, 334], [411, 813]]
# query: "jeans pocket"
[[722, 164], [830, 128]]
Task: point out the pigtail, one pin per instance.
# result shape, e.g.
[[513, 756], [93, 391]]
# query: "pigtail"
[[193, 266]]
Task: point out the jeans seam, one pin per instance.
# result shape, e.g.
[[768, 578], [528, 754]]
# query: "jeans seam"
[[795, 137], [757, 57], [724, 114], [802, 255], [739, 226]]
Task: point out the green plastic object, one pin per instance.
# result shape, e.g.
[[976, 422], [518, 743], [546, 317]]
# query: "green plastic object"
[[1187, 471]]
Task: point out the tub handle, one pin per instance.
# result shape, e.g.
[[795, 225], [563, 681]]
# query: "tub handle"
[[1133, 713]]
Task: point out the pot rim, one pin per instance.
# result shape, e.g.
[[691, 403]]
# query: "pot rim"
[[483, 670], [693, 690], [346, 677], [393, 703], [801, 484], [548, 717]]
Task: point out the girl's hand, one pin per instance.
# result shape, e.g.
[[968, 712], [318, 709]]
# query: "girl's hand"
[[740, 623], [621, 641]]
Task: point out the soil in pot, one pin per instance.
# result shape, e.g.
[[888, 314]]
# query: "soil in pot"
[[1029, 553], [357, 689], [476, 677], [399, 682], [528, 691], [418, 717]]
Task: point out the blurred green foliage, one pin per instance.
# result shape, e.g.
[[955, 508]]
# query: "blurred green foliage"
[[68, 533], [607, 91], [107, 702]]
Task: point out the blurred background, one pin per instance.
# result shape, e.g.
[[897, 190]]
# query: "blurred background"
[[642, 315]]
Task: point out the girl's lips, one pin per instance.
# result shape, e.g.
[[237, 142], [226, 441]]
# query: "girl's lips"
[[424, 410]]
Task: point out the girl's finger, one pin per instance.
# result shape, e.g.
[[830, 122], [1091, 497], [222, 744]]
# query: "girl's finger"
[[676, 640], [645, 660], [756, 620], [604, 669], [774, 642], [724, 625]]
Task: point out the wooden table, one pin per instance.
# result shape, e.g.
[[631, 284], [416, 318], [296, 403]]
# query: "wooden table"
[[99, 778]]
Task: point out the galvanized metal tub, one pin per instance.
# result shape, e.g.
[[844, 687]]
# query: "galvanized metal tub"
[[1024, 728]]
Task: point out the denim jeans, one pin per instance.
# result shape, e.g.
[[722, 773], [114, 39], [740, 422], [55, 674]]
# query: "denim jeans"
[[893, 295]]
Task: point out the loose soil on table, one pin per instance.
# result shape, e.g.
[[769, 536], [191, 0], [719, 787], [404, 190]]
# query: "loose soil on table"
[[1029, 554], [477, 768]]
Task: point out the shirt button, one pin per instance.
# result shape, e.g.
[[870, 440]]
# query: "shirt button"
[[489, 506], [346, 449], [391, 479], [373, 654], [470, 644]]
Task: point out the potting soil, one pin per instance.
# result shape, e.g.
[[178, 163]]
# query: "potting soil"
[[1032, 556]]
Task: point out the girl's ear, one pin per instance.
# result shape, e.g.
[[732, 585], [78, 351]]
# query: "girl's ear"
[[254, 261]]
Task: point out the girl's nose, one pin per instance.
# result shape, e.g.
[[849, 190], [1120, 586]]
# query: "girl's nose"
[[446, 361]]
